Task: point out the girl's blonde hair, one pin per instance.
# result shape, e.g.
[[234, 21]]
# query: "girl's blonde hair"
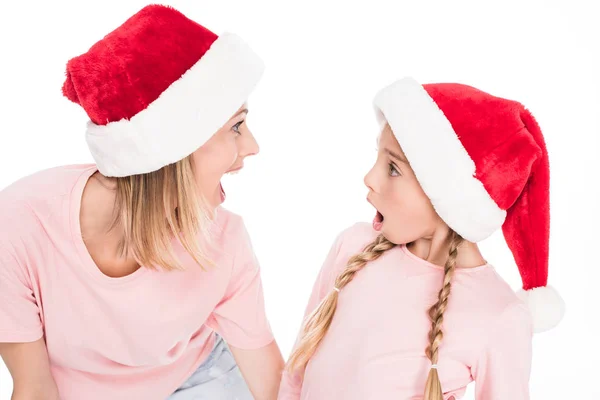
[[317, 323], [154, 208]]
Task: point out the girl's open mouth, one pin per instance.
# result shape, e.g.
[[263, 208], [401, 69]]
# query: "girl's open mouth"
[[378, 221]]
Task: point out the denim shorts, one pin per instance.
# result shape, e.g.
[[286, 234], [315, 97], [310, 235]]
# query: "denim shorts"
[[217, 378]]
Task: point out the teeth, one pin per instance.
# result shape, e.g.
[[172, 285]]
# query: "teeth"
[[233, 172]]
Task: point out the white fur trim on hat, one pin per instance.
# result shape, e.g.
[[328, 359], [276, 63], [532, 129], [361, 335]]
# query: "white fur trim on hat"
[[443, 167], [546, 306], [183, 117]]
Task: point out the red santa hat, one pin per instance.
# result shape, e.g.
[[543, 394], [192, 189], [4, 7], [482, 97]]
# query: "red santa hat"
[[157, 88], [482, 161]]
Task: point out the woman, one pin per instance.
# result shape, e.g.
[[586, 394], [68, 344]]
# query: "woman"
[[126, 279]]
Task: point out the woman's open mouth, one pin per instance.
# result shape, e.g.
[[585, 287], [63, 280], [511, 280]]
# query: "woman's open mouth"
[[230, 172]]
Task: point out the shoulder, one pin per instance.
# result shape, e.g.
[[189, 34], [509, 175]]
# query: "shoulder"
[[348, 242], [228, 225], [359, 233], [353, 239], [509, 330], [495, 296], [229, 233], [505, 304], [493, 305], [517, 313], [30, 199], [35, 189], [45, 183]]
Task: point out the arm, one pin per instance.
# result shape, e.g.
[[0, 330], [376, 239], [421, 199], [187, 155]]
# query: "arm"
[[22, 346], [240, 318], [503, 369], [261, 369], [291, 382], [30, 370]]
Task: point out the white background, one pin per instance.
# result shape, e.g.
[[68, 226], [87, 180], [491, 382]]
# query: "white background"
[[312, 117]]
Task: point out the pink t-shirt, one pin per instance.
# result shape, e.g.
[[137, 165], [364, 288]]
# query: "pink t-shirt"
[[135, 337], [375, 346]]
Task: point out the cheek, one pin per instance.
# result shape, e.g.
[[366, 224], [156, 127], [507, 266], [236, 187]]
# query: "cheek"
[[411, 215], [228, 154], [212, 163]]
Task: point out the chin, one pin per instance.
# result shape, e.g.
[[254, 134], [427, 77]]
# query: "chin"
[[394, 237], [388, 236]]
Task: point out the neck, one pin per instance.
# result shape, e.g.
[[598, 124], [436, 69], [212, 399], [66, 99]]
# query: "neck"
[[435, 249], [96, 217], [97, 208]]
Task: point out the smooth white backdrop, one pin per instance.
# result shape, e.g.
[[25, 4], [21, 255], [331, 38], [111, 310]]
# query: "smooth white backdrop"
[[313, 118]]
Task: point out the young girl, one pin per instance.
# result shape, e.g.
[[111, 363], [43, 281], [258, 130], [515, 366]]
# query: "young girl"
[[419, 311], [125, 278]]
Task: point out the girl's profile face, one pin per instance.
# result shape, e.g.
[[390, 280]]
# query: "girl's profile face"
[[223, 153], [404, 213]]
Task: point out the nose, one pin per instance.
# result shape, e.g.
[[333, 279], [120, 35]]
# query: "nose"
[[249, 145], [370, 181]]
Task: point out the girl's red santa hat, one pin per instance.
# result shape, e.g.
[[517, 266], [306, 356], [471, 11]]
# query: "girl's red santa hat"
[[157, 88], [483, 163]]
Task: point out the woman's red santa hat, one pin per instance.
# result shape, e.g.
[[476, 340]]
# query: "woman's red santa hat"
[[482, 161], [157, 88]]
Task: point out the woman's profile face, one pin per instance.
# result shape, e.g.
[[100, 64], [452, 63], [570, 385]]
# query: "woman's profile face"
[[224, 152]]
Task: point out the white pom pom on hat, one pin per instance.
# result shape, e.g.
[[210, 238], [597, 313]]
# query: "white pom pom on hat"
[[546, 305]]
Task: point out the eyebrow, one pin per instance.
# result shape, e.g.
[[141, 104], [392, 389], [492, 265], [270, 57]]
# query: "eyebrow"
[[396, 156]]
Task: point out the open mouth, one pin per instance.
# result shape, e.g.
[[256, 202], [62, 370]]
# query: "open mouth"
[[378, 221], [230, 172]]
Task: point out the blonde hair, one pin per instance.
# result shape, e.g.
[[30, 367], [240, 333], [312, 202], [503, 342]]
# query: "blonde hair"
[[433, 386], [154, 208], [318, 322]]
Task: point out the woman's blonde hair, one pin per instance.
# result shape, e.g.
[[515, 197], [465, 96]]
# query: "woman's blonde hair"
[[317, 323], [154, 208]]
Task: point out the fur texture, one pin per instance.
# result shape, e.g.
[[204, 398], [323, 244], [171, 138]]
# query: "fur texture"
[[482, 160], [129, 68], [157, 88], [546, 305], [445, 170]]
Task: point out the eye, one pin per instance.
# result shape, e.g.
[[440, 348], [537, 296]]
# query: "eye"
[[236, 127], [393, 170]]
